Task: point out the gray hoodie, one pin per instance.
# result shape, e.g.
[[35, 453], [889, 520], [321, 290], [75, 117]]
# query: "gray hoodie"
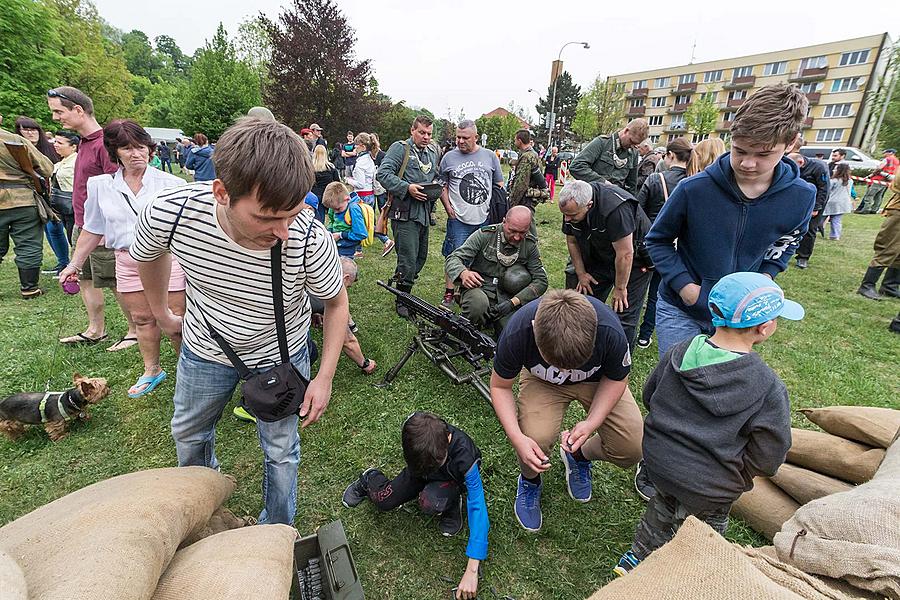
[[710, 430]]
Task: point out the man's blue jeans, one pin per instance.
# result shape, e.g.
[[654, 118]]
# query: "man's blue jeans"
[[673, 326], [56, 237], [202, 390]]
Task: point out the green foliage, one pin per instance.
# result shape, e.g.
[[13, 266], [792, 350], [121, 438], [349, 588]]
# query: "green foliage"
[[394, 123], [140, 58], [585, 124], [889, 132], [701, 116], [568, 96], [254, 47], [604, 101], [175, 63], [222, 88], [500, 130]]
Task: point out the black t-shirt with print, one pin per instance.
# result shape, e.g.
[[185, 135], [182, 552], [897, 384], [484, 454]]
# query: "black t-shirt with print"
[[517, 349]]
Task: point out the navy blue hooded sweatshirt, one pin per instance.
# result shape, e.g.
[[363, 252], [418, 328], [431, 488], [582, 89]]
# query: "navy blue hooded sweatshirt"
[[720, 231], [200, 160]]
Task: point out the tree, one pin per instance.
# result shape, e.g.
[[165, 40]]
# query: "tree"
[[221, 89], [500, 130], [701, 116], [176, 63], [605, 102], [140, 58], [393, 123], [567, 97], [314, 74], [888, 135], [585, 124], [254, 47]]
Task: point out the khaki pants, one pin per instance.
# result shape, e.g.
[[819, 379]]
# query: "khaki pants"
[[887, 242], [542, 407]]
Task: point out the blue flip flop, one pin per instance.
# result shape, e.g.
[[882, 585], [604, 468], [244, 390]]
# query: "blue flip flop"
[[150, 381]]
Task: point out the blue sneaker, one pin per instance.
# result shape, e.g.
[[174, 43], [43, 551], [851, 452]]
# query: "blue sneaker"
[[626, 564], [578, 476], [528, 505]]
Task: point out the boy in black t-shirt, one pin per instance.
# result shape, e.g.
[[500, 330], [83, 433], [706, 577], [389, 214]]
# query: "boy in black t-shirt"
[[571, 347], [440, 460]]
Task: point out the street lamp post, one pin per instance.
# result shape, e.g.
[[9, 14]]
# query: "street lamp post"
[[552, 118]]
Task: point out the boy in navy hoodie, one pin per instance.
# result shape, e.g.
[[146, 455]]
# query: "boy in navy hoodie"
[[717, 415], [747, 211]]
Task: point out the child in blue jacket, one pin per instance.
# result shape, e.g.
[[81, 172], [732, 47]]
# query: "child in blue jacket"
[[346, 221]]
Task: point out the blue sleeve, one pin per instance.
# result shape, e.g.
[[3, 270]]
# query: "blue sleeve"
[[191, 161], [358, 231], [661, 238], [477, 547]]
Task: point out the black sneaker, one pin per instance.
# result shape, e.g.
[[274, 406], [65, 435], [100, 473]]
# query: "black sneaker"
[[643, 343], [356, 492], [452, 519], [802, 263], [642, 484]]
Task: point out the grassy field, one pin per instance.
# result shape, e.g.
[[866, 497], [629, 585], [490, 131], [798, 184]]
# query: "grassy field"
[[842, 353]]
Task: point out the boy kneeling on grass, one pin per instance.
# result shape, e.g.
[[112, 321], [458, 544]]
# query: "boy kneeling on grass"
[[440, 460], [717, 415], [345, 218]]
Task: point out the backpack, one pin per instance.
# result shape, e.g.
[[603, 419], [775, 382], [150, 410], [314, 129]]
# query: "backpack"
[[368, 217]]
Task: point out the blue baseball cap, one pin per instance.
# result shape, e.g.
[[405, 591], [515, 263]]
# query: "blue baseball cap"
[[749, 299]]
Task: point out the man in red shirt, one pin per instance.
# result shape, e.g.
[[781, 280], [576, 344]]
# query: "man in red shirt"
[[884, 174], [75, 111]]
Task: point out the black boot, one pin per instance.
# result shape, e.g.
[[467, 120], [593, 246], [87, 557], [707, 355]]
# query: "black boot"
[[402, 310], [28, 280], [867, 288], [895, 324], [890, 285]]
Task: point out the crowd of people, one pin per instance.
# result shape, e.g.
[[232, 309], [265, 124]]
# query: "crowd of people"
[[236, 265]]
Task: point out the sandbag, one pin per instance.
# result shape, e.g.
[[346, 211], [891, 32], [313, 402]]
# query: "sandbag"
[[804, 485], [113, 539], [832, 455], [870, 425], [764, 508], [12, 579], [241, 564], [852, 535], [221, 520], [698, 564], [788, 577]]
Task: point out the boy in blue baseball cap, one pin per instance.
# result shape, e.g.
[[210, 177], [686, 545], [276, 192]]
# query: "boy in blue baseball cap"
[[718, 416]]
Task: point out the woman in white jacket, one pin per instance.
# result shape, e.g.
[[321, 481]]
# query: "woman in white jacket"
[[363, 179], [839, 202]]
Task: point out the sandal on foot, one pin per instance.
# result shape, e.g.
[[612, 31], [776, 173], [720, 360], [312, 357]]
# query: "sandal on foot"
[[151, 381], [80, 338], [123, 344]]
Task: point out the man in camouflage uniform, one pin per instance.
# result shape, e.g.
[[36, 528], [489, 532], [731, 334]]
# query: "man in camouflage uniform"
[[499, 269], [528, 185], [405, 167], [19, 218], [613, 158]]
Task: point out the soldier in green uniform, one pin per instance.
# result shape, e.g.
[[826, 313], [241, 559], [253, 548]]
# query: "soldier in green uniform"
[[528, 186], [406, 166], [613, 158], [499, 269], [19, 218]]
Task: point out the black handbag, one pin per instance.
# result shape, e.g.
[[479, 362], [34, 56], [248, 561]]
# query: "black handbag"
[[277, 393]]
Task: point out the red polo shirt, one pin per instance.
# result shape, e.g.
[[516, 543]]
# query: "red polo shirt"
[[93, 159]]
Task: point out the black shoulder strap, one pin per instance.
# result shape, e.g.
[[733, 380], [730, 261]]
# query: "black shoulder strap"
[[177, 219]]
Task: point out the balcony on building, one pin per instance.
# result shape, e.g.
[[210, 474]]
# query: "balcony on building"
[[638, 93], [679, 128], [814, 98], [636, 111], [724, 126], [678, 108], [684, 88], [738, 83], [807, 123], [809, 74], [734, 102]]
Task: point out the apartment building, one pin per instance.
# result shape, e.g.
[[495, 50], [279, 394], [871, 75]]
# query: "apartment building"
[[838, 78]]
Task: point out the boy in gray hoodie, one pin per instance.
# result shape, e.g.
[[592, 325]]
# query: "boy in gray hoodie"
[[717, 414]]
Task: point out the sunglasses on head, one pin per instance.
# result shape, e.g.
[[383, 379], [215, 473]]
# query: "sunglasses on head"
[[55, 94]]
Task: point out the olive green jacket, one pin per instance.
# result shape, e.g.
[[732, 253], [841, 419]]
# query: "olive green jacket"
[[479, 254], [528, 162], [422, 167], [595, 163], [16, 189]]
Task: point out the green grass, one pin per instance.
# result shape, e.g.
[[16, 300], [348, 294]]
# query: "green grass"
[[842, 353]]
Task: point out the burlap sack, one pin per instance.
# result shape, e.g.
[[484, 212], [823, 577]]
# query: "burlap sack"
[[766, 560], [804, 485], [113, 539], [854, 536], [698, 564], [832, 455], [241, 564], [867, 424], [221, 520], [12, 579], [764, 508]]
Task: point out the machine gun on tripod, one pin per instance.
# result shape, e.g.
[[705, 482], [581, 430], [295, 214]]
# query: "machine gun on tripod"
[[444, 337]]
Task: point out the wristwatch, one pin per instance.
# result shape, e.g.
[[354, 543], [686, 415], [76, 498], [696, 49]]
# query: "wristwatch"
[[366, 363]]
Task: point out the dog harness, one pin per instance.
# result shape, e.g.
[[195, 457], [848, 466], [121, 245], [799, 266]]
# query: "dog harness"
[[60, 396]]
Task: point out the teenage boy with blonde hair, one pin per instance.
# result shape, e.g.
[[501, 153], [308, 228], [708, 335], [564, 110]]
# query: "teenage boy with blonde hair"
[[747, 211], [717, 415]]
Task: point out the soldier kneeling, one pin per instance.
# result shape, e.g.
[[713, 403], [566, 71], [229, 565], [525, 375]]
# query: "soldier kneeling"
[[498, 269]]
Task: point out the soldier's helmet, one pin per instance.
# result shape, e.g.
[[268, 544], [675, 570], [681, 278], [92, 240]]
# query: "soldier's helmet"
[[515, 279]]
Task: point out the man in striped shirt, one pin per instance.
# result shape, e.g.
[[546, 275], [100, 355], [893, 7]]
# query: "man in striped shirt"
[[222, 233]]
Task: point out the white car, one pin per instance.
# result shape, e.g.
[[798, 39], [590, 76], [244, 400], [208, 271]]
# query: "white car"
[[856, 158]]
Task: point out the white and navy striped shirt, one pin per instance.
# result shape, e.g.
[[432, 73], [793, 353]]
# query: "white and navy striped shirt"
[[232, 286]]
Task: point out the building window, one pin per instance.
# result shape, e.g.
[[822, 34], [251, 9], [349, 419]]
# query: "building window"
[[725, 136], [813, 62], [711, 96], [654, 139], [636, 102], [737, 94], [829, 135], [809, 88], [639, 85], [620, 87], [837, 110], [658, 102], [775, 68], [854, 58], [661, 82], [729, 116], [712, 76], [696, 138], [655, 120], [686, 78], [682, 98], [742, 72], [677, 122], [847, 84], [673, 137]]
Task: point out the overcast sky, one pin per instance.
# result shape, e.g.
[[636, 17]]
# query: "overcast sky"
[[476, 55]]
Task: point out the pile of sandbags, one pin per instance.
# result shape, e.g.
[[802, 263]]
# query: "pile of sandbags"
[[119, 539], [820, 463]]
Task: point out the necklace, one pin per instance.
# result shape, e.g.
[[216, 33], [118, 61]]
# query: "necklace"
[[617, 145], [503, 259], [424, 167]]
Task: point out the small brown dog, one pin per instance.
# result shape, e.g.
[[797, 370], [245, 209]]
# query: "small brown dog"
[[53, 410]]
